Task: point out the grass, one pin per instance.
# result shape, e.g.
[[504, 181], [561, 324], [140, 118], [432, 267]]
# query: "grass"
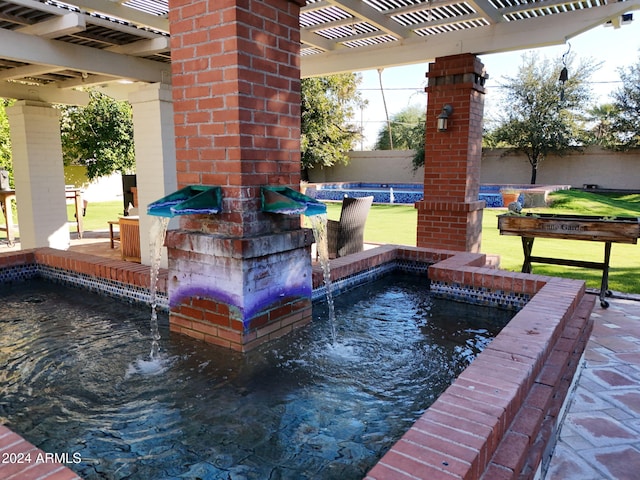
[[610, 204], [386, 223], [96, 218], [97, 215], [397, 224]]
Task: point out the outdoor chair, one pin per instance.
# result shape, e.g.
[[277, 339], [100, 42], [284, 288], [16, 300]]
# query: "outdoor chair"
[[129, 238], [346, 236]]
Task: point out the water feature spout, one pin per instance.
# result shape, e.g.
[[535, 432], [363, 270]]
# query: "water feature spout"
[[190, 200], [286, 201]]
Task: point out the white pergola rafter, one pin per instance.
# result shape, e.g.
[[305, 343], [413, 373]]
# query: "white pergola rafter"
[[100, 42], [56, 27], [487, 10], [118, 10], [501, 37], [29, 49], [364, 12], [28, 71]]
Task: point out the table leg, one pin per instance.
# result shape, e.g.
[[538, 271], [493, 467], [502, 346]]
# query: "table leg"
[[111, 234], [79, 209], [527, 247], [8, 219], [604, 285]]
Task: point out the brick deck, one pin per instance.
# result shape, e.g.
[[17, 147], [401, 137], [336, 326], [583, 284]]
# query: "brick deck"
[[22, 461], [496, 421]]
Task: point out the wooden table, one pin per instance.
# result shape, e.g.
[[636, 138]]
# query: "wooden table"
[[113, 235], [571, 227], [5, 204]]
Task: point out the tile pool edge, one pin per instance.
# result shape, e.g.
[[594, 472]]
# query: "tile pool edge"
[[497, 420], [125, 281]]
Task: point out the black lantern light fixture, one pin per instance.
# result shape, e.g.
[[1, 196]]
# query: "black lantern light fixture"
[[443, 118]]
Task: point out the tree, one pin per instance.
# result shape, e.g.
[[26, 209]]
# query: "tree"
[[99, 136], [328, 105], [626, 101], [543, 115], [603, 118], [407, 130]]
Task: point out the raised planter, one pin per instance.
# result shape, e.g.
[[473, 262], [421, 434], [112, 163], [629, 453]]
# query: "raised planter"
[[574, 227], [571, 227]]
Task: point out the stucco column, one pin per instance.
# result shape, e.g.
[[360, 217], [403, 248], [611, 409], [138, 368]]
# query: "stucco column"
[[153, 133], [241, 277], [39, 175], [450, 214]]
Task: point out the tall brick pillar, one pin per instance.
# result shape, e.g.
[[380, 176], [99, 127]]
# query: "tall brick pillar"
[[240, 277], [450, 215]]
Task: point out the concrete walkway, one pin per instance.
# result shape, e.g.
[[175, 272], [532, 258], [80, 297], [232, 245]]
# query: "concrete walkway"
[[600, 434]]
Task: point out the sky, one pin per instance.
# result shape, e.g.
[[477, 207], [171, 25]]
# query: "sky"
[[404, 86]]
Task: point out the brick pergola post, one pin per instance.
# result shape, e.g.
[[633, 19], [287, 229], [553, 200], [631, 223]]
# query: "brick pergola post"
[[240, 277], [450, 214]]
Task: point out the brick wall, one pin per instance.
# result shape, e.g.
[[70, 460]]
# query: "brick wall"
[[236, 92]]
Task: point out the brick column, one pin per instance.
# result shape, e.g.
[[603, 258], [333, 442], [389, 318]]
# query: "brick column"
[[450, 215], [242, 276]]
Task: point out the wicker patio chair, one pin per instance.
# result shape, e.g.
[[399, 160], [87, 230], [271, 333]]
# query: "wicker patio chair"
[[346, 236]]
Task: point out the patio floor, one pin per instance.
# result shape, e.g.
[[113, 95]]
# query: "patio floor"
[[600, 435]]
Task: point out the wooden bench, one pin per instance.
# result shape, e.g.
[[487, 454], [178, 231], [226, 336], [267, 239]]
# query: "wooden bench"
[[5, 205]]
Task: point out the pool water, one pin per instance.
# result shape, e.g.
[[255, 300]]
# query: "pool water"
[[76, 379], [404, 193]]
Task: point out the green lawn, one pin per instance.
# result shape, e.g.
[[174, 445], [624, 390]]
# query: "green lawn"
[[97, 216], [397, 224]]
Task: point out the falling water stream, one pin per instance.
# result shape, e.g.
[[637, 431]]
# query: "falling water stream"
[[319, 227], [157, 234]]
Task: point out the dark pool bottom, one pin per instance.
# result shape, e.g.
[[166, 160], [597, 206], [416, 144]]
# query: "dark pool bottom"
[[76, 380]]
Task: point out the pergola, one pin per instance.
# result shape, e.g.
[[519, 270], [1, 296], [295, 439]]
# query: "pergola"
[[50, 49]]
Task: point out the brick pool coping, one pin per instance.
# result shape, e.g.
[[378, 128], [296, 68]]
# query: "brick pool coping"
[[497, 421]]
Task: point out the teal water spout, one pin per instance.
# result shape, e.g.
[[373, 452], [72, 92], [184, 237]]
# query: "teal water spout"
[[287, 201], [191, 200]]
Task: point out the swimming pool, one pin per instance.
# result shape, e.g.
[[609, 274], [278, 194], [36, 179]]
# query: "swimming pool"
[[409, 193]]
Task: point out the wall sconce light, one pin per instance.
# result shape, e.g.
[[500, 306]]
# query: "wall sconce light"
[[443, 118]]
